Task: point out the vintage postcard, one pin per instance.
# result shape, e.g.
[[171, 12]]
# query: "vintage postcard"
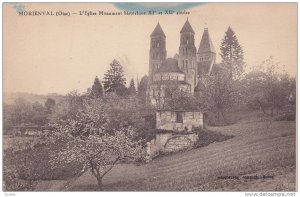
[[150, 97]]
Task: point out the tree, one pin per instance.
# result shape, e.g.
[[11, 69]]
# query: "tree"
[[21, 112], [131, 88], [97, 90], [176, 99], [142, 89], [114, 80], [50, 104], [218, 93], [39, 114], [232, 53], [68, 106], [90, 144], [269, 87]]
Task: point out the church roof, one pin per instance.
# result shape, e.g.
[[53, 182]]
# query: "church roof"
[[204, 67], [187, 28], [218, 68], [169, 65], [158, 31], [206, 44]]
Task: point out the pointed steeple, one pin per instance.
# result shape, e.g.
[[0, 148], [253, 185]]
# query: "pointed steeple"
[[187, 28], [158, 31], [206, 44]]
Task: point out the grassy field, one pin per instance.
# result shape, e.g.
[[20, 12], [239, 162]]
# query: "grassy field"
[[260, 148]]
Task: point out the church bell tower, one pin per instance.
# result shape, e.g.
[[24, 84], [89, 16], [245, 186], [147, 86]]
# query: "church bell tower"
[[187, 55], [158, 50]]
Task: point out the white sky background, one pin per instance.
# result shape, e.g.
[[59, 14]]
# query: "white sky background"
[[44, 54]]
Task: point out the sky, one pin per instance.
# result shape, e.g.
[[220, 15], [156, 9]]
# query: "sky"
[[58, 54]]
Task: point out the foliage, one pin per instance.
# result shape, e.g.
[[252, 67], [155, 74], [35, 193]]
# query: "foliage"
[[270, 87], [207, 137], [177, 99], [23, 112], [218, 94], [97, 90], [232, 53], [131, 88], [221, 90], [67, 107], [50, 104], [91, 143], [31, 162], [128, 112], [142, 89], [11, 179], [114, 80]]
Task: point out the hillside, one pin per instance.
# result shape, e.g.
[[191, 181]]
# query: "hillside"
[[260, 147]]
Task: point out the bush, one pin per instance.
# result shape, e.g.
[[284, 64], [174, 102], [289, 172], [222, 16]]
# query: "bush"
[[207, 137], [33, 164]]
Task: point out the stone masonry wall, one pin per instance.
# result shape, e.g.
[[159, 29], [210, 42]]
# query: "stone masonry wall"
[[168, 142], [166, 120]]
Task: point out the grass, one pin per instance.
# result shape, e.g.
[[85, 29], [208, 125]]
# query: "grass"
[[259, 147]]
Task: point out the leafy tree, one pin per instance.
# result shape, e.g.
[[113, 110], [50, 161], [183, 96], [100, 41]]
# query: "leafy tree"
[[90, 144], [218, 93], [114, 80], [268, 87], [97, 90], [39, 116], [50, 104], [142, 88], [21, 112], [232, 53], [68, 106], [131, 88]]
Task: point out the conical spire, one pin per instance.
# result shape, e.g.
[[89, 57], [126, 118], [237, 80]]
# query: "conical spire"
[[206, 44], [158, 31], [187, 28]]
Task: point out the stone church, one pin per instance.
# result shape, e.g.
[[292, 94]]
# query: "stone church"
[[176, 129], [183, 70]]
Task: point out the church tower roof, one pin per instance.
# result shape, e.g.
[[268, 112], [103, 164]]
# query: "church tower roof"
[[187, 28], [158, 31], [206, 44]]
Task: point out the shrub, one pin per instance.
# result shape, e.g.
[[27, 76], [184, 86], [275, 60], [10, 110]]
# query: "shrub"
[[207, 137], [33, 164]]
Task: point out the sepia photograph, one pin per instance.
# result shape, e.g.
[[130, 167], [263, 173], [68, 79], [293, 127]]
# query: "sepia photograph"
[[153, 96]]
